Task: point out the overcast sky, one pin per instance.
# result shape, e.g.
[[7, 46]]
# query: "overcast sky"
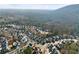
[[32, 6]]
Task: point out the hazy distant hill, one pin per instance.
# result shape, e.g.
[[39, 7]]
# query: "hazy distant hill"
[[66, 18], [70, 13]]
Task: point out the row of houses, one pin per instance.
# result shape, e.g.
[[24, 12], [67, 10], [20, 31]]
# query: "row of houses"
[[8, 43]]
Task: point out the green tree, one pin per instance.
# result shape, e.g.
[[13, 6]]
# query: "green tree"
[[27, 50], [71, 48]]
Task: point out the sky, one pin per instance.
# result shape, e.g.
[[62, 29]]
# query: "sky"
[[32, 6], [39, 1]]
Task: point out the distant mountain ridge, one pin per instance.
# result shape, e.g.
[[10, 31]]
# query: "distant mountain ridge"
[[66, 18], [63, 18]]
